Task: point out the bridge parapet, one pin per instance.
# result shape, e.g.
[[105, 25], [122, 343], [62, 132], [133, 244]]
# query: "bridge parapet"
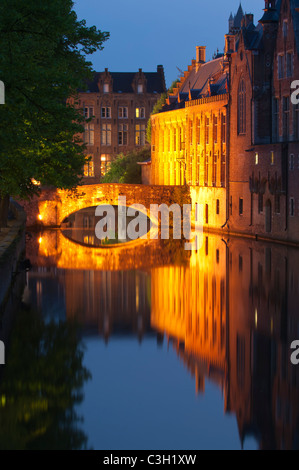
[[54, 205]]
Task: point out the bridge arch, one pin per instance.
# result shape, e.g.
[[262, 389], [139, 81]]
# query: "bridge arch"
[[54, 205]]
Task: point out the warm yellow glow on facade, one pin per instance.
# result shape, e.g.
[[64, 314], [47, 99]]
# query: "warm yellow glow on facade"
[[189, 148]]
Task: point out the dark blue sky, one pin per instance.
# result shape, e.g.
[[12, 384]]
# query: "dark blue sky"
[[145, 34]]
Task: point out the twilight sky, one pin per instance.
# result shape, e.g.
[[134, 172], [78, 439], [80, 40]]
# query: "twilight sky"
[[145, 34]]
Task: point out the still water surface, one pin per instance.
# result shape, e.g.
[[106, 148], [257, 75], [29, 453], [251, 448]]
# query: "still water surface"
[[176, 349]]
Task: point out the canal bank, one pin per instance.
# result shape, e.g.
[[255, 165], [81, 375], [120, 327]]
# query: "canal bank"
[[12, 268]]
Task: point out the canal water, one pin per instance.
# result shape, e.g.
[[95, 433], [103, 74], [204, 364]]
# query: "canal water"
[[148, 346]]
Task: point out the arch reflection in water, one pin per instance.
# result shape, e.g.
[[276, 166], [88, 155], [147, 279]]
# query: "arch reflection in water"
[[230, 311], [81, 226]]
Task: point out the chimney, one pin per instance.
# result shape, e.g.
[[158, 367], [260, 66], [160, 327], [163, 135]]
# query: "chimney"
[[200, 56], [230, 44]]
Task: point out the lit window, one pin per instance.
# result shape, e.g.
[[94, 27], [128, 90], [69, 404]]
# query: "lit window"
[[105, 163], [89, 168], [272, 158], [140, 113], [256, 158], [106, 88]]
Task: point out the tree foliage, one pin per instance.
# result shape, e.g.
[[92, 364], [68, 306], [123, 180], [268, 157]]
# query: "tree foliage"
[[41, 386], [43, 48], [125, 168]]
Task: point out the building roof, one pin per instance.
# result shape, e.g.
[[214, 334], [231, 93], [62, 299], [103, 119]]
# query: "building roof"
[[207, 80], [122, 81]]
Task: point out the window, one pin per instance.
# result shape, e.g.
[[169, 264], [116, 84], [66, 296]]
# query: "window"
[[174, 140], [256, 158], [280, 66], [277, 204], [275, 119], [181, 139], [123, 112], [106, 112], [214, 175], [197, 131], [207, 130], [242, 108], [240, 263], [88, 137], [206, 176], [106, 88], [89, 168], [140, 113], [292, 207], [296, 121], [292, 162], [223, 128], [105, 163], [123, 134], [207, 216], [285, 28], [241, 206], [191, 132], [88, 112], [139, 88], [217, 206], [286, 112], [140, 135], [289, 64], [272, 158], [106, 134], [222, 176], [260, 203], [215, 129]]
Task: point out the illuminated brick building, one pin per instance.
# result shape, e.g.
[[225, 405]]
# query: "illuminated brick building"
[[120, 104], [231, 132]]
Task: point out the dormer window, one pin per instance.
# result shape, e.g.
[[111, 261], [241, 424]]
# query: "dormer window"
[[285, 28], [106, 88], [139, 88]]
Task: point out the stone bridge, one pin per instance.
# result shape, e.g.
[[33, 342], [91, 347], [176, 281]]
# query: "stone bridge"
[[54, 205]]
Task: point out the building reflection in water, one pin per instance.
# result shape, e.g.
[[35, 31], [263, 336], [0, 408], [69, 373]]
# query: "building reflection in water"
[[229, 310]]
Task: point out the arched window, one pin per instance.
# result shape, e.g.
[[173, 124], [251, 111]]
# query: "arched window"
[[242, 108]]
